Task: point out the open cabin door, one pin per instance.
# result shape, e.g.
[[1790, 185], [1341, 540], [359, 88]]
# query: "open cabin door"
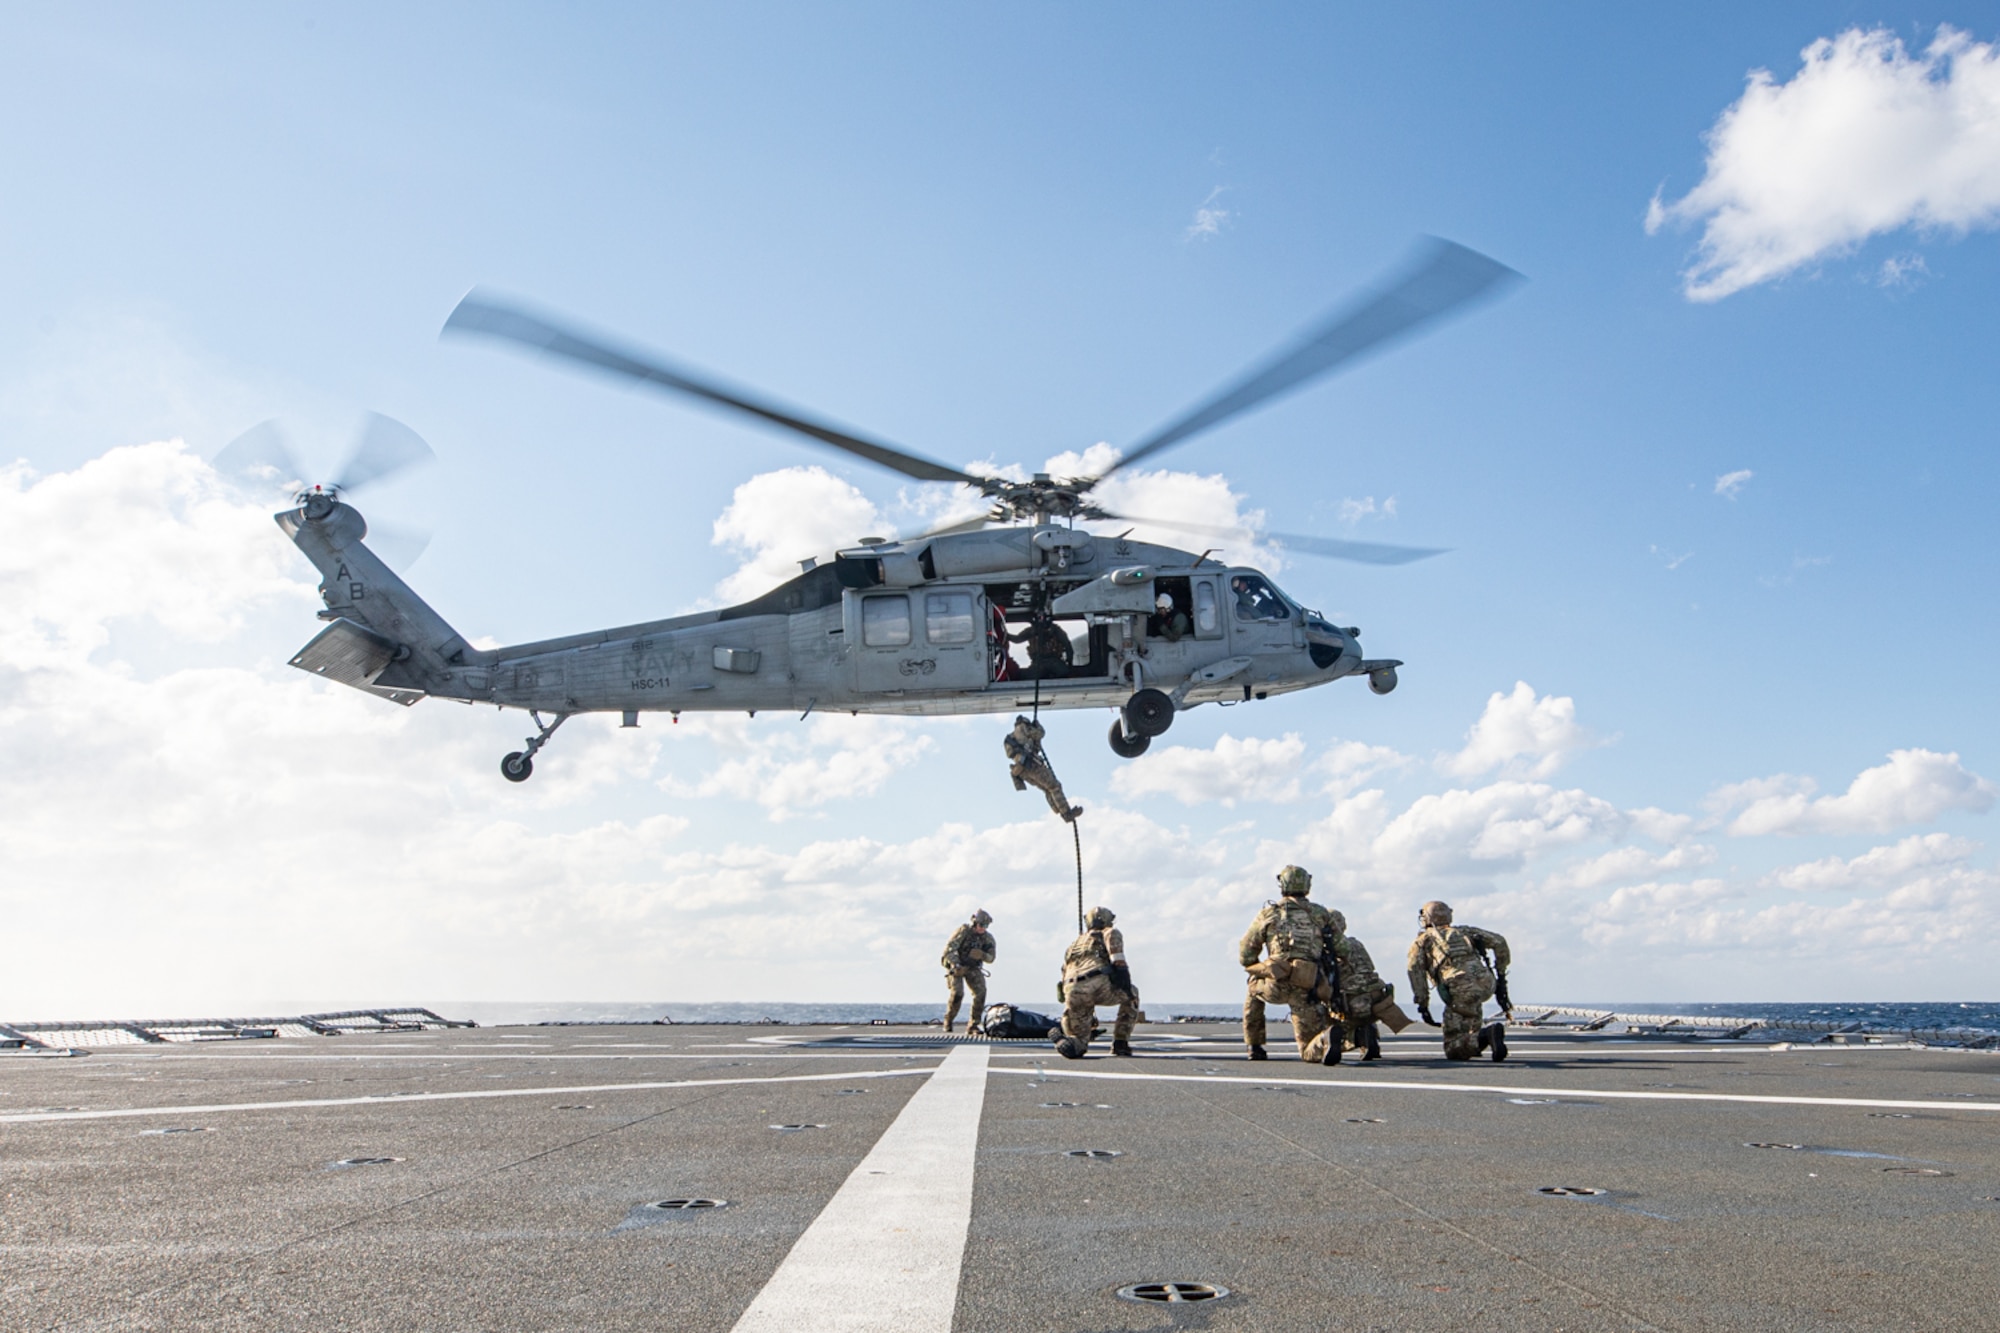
[[918, 639]]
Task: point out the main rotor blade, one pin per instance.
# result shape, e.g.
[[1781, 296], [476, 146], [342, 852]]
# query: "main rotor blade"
[[973, 524], [260, 454], [1332, 548], [385, 447], [475, 314], [1446, 277]]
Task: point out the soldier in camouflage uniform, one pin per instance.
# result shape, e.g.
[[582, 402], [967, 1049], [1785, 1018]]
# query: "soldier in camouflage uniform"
[[970, 946], [1455, 958], [1029, 767], [1364, 989], [1361, 989], [1094, 973], [1297, 936]]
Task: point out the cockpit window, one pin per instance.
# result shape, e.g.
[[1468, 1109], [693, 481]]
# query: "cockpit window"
[[1257, 600]]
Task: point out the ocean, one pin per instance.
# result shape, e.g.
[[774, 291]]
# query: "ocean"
[[1983, 1014]]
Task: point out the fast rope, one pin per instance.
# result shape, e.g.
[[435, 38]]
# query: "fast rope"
[[1077, 838]]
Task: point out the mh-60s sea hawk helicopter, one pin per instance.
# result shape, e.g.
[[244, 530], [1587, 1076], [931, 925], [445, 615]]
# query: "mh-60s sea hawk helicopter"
[[1016, 608]]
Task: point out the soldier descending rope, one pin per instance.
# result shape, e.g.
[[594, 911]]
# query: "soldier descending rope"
[[1029, 767]]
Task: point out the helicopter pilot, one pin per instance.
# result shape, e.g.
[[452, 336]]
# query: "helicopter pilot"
[[1256, 601]]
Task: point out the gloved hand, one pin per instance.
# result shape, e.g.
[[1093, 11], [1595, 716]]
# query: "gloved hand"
[[1500, 994], [1424, 1012], [1121, 977]]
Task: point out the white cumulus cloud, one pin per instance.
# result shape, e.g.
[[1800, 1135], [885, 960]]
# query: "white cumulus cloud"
[[1730, 484], [1877, 866], [1866, 138], [1521, 734], [1229, 771], [789, 770], [777, 519], [1913, 787]]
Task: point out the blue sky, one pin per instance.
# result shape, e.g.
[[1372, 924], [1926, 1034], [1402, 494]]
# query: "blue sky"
[[980, 234]]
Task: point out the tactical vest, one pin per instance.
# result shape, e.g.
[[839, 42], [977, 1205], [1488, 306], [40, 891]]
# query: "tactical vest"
[[1294, 931], [963, 941], [1453, 955], [1086, 954]]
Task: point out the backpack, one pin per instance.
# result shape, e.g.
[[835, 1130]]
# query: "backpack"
[[1007, 1021]]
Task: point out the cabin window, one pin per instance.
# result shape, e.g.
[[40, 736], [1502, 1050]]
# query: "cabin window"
[[885, 622], [1256, 599], [948, 617], [1206, 623]]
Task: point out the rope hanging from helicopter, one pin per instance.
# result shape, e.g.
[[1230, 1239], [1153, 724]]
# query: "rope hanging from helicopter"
[[1029, 766]]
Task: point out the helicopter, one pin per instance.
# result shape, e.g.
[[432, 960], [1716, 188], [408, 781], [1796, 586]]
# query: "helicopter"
[[1013, 609]]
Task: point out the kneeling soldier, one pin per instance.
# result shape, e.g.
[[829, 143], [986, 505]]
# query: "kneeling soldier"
[[1455, 958], [1294, 933], [1094, 973]]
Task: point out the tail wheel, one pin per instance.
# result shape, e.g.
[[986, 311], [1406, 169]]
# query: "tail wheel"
[[517, 767], [1148, 713], [1127, 747]]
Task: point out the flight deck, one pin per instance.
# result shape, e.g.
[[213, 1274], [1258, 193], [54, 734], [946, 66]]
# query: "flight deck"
[[751, 1177]]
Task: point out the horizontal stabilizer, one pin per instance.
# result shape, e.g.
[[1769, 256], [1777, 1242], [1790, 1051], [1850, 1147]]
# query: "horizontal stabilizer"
[[355, 655]]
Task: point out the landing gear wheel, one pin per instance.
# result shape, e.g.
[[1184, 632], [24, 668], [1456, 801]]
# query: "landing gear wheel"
[[1127, 747], [517, 767], [1148, 713]]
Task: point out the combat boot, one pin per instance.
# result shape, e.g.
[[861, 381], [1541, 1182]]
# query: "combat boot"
[[1069, 1048], [1333, 1049], [1120, 1046], [1498, 1041], [1259, 1053], [1374, 1043]]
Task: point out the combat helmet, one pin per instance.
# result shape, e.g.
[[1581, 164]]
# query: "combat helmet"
[[982, 918], [1099, 918], [1294, 882], [1339, 921], [1435, 913]]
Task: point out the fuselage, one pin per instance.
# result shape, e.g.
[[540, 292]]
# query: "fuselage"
[[967, 623]]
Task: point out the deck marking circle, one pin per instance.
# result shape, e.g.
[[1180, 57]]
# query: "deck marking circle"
[[1171, 1293]]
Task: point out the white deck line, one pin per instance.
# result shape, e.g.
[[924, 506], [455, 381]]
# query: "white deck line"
[[1519, 1090], [404, 1099], [884, 1254]]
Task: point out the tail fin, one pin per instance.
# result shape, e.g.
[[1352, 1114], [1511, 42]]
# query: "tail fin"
[[384, 638]]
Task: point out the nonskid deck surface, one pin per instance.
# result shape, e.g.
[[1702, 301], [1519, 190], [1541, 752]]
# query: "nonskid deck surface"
[[932, 1187]]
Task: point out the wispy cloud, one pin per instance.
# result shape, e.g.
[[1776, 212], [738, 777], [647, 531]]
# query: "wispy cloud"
[[1353, 511], [1671, 560], [1209, 219], [1865, 139], [1730, 484]]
